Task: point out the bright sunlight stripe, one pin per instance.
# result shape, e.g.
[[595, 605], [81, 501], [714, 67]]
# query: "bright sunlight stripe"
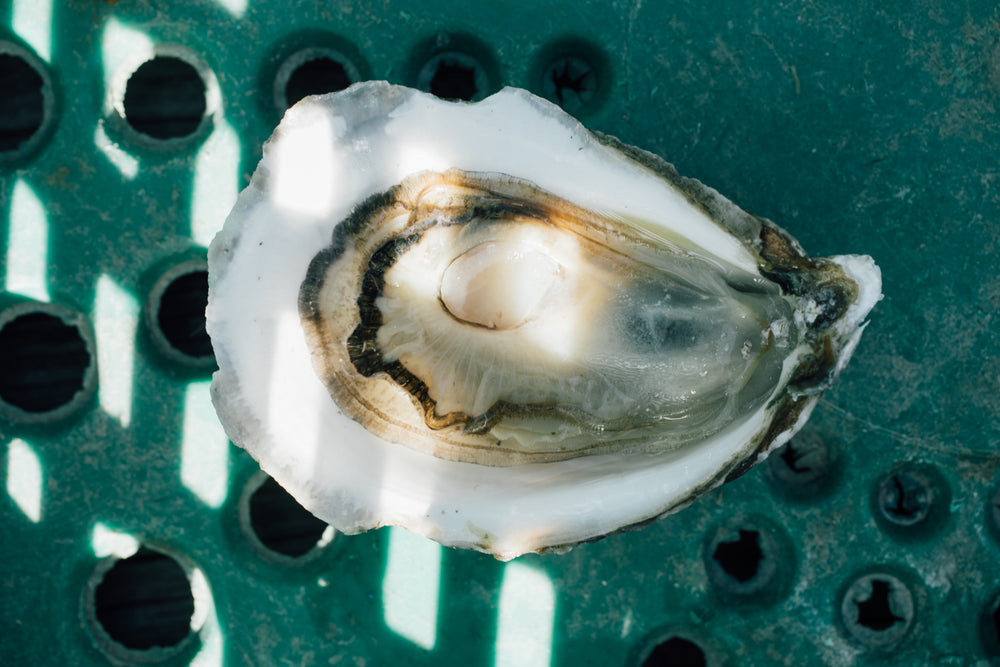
[[116, 318], [216, 182], [107, 541], [32, 21], [125, 163], [121, 45], [525, 617], [236, 8], [205, 621], [24, 479], [204, 448], [27, 244], [410, 587]]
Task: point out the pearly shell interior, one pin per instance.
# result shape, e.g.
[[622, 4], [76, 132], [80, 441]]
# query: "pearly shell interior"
[[302, 238], [498, 324]]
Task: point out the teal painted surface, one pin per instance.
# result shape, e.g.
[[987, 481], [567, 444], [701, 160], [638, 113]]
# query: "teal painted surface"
[[858, 128]]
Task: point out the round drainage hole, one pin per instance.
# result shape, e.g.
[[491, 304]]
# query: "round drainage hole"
[[875, 612], [22, 106], [453, 76], [740, 558], [453, 80], [912, 502], [165, 98], [905, 499], [281, 524], [802, 461], [748, 562], [145, 601], [676, 652], [315, 77], [570, 82], [878, 609], [181, 314], [44, 362]]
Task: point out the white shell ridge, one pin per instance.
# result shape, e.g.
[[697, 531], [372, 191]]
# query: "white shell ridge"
[[490, 326]]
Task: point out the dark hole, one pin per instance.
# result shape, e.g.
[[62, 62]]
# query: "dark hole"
[[791, 456], [906, 497], [43, 361], [165, 98], [454, 81], [21, 104], [989, 627], [280, 523], [315, 77], [572, 76], [181, 314], [676, 652], [145, 601], [875, 613], [741, 558]]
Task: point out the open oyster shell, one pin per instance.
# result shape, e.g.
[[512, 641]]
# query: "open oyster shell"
[[486, 324]]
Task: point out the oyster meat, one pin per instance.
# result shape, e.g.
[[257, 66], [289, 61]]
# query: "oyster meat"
[[492, 327]]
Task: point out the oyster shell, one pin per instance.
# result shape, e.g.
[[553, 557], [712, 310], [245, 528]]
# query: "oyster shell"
[[490, 326]]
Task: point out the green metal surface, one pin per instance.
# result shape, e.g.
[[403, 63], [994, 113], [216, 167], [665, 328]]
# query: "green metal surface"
[[857, 127]]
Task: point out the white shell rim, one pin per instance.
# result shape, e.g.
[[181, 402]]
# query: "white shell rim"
[[272, 403]]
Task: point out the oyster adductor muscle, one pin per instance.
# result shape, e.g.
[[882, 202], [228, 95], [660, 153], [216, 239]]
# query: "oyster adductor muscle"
[[485, 324]]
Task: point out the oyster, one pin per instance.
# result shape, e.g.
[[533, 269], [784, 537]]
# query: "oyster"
[[486, 324]]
